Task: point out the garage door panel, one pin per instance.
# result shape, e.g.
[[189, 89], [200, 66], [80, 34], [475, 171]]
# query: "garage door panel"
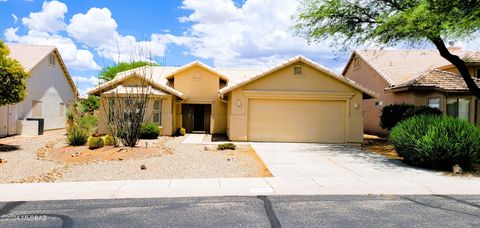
[[296, 121]]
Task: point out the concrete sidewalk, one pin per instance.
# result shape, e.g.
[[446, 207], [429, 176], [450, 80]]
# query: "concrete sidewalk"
[[234, 187]]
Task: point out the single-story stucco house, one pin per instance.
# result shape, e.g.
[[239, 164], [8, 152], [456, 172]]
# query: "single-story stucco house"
[[419, 77], [50, 90], [295, 101]]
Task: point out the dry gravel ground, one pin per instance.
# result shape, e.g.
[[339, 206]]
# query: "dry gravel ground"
[[31, 162], [185, 161], [22, 163]]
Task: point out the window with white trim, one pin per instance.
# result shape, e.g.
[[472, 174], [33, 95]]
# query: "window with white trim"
[[356, 63], [157, 112], [297, 71], [52, 59], [433, 102]]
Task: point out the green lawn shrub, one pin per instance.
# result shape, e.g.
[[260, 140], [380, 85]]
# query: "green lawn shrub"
[[95, 142], [110, 140], [77, 136], [226, 146], [149, 131], [395, 113], [437, 142]]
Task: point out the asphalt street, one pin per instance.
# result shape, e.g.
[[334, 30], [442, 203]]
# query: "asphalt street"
[[261, 211]]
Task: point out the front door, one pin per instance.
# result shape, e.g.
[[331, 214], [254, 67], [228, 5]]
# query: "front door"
[[196, 118]]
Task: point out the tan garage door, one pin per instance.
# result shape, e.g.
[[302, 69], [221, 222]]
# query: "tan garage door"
[[296, 121]]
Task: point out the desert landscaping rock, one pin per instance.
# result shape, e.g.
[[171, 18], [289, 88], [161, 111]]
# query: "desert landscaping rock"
[[185, 161], [23, 162], [48, 158]]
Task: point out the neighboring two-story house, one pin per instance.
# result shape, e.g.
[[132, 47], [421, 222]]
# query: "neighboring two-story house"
[[49, 88], [419, 77]]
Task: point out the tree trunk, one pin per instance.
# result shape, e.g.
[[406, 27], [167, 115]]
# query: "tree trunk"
[[459, 64]]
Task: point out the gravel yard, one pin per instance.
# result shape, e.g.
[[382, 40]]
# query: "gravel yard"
[[177, 161], [22, 163]]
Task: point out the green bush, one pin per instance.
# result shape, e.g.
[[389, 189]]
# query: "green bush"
[[95, 142], [395, 113], [437, 142], [109, 140], [180, 132], [226, 146], [77, 136], [149, 131], [89, 123]]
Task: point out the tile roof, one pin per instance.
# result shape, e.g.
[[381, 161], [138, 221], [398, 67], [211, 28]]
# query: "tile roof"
[[473, 57], [309, 62], [29, 55], [437, 79], [400, 66], [161, 74]]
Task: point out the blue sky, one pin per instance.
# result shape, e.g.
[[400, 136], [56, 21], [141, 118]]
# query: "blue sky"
[[222, 33]]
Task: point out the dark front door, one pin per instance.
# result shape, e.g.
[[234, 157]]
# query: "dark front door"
[[196, 117]]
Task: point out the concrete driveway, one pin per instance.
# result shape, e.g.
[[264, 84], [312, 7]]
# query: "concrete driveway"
[[350, 167]]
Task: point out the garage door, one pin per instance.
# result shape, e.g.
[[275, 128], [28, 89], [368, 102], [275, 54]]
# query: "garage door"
[[296, 121]]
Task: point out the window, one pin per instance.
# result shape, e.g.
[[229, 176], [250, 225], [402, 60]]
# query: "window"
[[356, 63], [458, 107], [52, 59], [434, 102], [36, 109], [61, 109], [478, 72], [157, 112], [378, 103], [297, 71]]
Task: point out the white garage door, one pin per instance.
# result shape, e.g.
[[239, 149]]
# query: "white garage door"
[[296, 121]]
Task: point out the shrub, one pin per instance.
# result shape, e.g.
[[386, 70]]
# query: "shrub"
[[395, 113], [226, 146], [76, 136], [95, 142], [437, 142], [109, 140], [149, 131], [88, 122], [90, 104], [180, 132]]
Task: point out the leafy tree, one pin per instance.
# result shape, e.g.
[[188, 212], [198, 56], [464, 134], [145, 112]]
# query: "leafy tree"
[[12, 78], [90, 104], [108, 73], [391, 22]]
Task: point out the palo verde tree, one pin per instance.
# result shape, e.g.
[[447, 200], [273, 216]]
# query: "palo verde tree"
[[12, 78], [390, 22]]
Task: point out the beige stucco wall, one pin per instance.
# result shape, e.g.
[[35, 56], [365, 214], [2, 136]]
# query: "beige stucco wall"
[[312, 81], [369, 78], [166, 115], [366, 76], [48, 84], [201, 87]]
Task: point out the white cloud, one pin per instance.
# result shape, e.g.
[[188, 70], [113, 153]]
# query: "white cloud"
[[50, 19], [256, 33], [15, 18], [98, 30], [85, 83], [44, 27], [94, 28]]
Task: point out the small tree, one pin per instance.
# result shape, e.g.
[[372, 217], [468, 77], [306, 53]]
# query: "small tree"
[[125, 109], [109, 73], [90, 104], [390, 22], [12, 78]]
